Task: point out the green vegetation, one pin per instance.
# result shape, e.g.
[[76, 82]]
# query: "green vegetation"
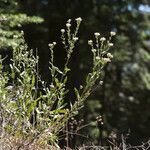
[[11, 22], [34, 112], [120, 103]]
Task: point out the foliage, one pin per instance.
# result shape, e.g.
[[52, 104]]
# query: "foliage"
[[33, 112], [11, 22], [124, 97]]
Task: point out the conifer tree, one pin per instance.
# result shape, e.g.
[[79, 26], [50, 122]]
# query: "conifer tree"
[[11, 22]]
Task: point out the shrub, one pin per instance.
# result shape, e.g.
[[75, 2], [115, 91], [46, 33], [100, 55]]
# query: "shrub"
[[29, 115]]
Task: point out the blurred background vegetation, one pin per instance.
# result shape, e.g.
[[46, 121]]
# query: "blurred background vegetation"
[[124, 98]]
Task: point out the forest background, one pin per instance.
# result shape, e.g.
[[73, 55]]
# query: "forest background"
[[123, 100]]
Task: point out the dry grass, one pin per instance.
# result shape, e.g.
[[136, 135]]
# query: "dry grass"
[[11, 143], [17, 144]]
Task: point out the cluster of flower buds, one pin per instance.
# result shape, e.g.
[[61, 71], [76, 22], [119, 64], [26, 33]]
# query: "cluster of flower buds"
[[99, 120], [68, 25], [102, 39], [51, 45], [75, 39], [78, 19], [109, 55], [97, 34], [74, 124], [110, 44], [108, 58], [100, 52], [62, 30], [113, 135], [90, 42], [112, 33]]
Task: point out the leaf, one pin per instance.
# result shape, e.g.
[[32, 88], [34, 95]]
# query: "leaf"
[[62, 111], [33, 81], [58, 70], [57, 82], [65, 80], [66, 70], [77, 93], [32, 105]]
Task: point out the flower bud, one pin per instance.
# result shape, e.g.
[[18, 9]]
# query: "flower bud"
[[52, 86], [81, 87], [110, 44], [50, 45], [54, 43], [112, 33], [69, 20], [102, 39], [79, 19], [109, 55], [97, 34], [75, 39], [106, 60], [101, 82], [93, 50], [90, 42], [62, 30], [68, 25], [98, 58]]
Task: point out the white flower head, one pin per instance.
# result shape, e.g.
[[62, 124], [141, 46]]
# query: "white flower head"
[[131, 98], [22, 32], [81, 87], [79, 19], [90, 42], [54, 43], [69, 20], [106, 60], [50, 45], [52, 86], [62, 30], [97, 58], [110, 44], [112, 33], [68, 25], [15, 36], [102, 39], [93, 50], [97, 34], [75, 38], [101, 82], [121, 94], [109, 55]]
